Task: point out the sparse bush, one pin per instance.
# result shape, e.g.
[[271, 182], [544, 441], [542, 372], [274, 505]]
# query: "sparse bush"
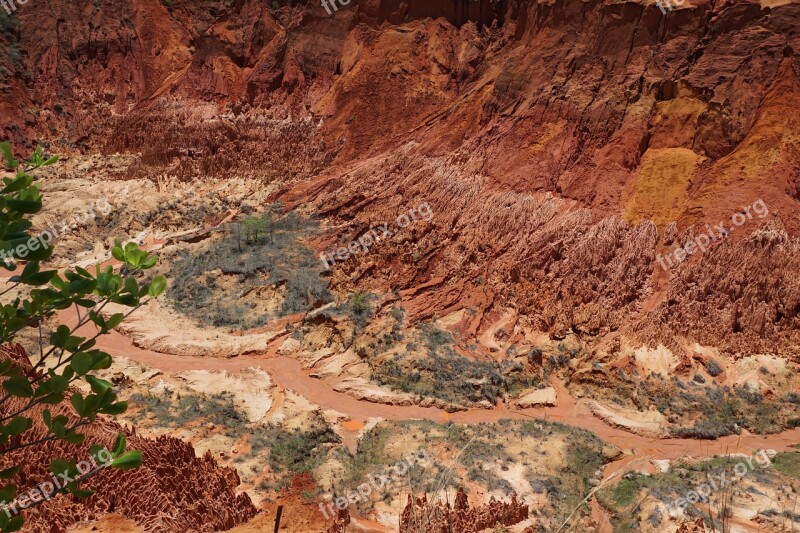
[[359, 309], [261, 252], [216, 408], [750, 396], [9, 25], [713, 368], [787, 463], [447, 375], [299, 450], [434, 337]]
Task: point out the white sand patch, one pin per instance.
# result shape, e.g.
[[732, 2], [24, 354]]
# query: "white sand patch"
[[452, 319], [362, 389], [649, 424], [659, 361], [250, 389], [155, 327], [537, 398]]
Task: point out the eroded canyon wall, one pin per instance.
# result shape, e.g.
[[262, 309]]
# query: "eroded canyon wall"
[[565, 147]]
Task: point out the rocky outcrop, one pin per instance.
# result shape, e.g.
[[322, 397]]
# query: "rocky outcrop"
[[340, 522], [565, 147], [648, 424], [420, 516], [537, 398], [173, 490], [692, 526]]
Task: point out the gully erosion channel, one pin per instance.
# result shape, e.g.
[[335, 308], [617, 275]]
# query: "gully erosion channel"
[[289, 374]]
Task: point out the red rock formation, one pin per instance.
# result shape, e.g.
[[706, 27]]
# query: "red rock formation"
[[692, 526], [563, 146], [340, 522], [419, 516], [173, 490]]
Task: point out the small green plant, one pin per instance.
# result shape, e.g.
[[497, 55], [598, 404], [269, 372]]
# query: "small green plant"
[[787, 463], [257, 227], [360, 310], [359, 302]]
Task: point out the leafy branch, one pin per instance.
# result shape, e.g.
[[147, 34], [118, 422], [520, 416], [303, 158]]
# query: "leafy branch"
[[30, 390]]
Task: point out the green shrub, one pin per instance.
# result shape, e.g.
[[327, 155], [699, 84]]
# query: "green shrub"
[[179, 412]]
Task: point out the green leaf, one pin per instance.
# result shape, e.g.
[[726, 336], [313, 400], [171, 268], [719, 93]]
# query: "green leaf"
[[20, 182], [82, 286], [18, 426], [53, 398], [59, 466], [102, 360], [157, 286], [128, 461], [58, 429], [99, 386], [58, 283], [119, 445], [78, 403], [118, 253], [18, 386], [8, 473], [8, 492], [82, 494], [150, 262], [8, 155], [73, 342], [25, 206], [134, 258], [115, 408], [58, 383], [14, 524], [60, 336], [114, 320], [128, 300], [94, 449], [40, 278], [131, 286], [81, 362], [74, 438], [87, 345]]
